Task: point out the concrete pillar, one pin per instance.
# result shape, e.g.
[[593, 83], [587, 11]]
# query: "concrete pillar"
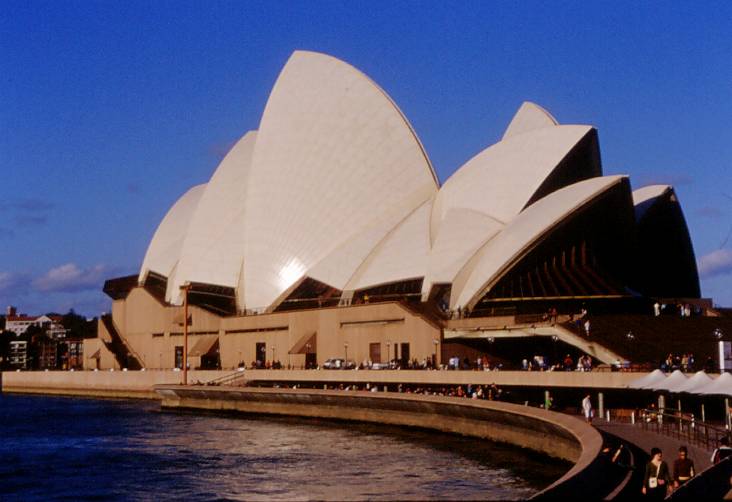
[[661, 407], [703, 413], [600, 404]]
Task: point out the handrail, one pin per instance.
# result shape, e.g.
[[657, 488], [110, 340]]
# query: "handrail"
[[683, 426], [228, 379]]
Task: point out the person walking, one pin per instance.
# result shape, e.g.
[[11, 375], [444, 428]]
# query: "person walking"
[[722, 451], [587, 409], [683, 468], [656, 481]]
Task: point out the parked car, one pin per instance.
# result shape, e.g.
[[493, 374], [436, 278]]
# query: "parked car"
[[338, 364], [380, 366], [333, 364]]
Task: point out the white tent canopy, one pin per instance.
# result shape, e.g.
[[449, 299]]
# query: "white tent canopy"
[[699, 380], [654, 377], [675, 379], [720, 386]]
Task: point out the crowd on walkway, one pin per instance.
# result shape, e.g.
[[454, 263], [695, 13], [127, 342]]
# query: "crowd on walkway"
[[540, 363]]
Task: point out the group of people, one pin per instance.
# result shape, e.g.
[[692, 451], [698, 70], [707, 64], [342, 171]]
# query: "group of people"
[[683, 309], [539, 363], [684, 362], [482, 363], [659, 480]]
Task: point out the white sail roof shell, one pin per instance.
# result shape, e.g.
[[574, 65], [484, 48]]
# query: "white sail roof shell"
[[649, 192], [461, 234], [529, 117], [497, 255], [501, 179], [213, 248], [401, 255], [332, 152], [164, 249]]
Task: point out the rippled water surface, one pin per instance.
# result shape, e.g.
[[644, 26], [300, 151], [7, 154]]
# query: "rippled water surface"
[[70, 449]]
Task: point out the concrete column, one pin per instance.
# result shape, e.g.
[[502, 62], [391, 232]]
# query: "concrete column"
[[600, 404], [703, 413], [661, 407]]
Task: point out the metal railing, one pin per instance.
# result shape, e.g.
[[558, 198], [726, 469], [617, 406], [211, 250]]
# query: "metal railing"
[[229, 378], [682, 426]]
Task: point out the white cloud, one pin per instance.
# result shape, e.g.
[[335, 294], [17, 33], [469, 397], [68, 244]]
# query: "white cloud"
[[716, 263], [70, 278]]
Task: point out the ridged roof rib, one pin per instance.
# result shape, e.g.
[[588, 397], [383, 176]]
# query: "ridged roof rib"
[[214, 245], [164, 249], [495, 258], [332, 153]]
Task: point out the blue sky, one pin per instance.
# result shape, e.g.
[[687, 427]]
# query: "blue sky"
[[109, 110]]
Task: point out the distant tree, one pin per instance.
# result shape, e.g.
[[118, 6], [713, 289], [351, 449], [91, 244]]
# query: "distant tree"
[[5, 337], [78, 326]]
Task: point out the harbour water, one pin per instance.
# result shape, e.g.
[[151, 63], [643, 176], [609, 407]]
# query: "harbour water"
[[54, 448]]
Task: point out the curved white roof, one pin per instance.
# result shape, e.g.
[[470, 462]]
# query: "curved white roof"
[[214, 244], [340, 265], [498, 254], [332, 152], [336, 186], [164, 249], [649, 192], [501, 179], [529, 116], [402, 254], [462, 233]]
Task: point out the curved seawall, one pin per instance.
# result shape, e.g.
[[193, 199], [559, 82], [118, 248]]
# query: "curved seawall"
[[551, 433]]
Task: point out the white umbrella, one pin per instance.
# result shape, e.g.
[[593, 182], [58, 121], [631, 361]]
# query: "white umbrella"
[[699, 380], [720, 386], [674, 380], [653, 377]]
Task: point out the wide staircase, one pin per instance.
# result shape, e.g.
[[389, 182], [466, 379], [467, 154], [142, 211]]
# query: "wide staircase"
[[649, 339], [125, 357]]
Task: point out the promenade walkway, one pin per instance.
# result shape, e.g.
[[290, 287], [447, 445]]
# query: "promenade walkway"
[[647, 439]]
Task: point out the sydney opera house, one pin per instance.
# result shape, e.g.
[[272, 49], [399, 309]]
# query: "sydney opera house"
[[326, 234]]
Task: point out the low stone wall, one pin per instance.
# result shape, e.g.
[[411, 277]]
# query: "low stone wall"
[[139, 384], [554, 434], [113, 384]]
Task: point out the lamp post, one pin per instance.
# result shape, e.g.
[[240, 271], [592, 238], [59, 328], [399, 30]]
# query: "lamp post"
[[435, 343], [555, 339], [345, 346], [185, 288], [273, 354], [307, 351], [388, 352]]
